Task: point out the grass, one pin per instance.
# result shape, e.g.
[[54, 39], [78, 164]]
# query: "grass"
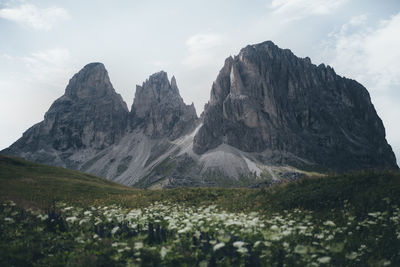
[[83, 220], [26, 182], [39, 185]]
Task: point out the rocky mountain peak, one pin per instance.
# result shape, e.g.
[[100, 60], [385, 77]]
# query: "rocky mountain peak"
[[271, 116], [155, 90], [91, 81], [160, 109], [90, 115], [268, 101], [174, 86]]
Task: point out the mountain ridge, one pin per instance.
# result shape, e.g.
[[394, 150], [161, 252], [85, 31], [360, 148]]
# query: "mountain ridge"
[[271, 117], [275, 97]]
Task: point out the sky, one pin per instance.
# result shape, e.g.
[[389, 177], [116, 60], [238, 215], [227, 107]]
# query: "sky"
[[44, 42]]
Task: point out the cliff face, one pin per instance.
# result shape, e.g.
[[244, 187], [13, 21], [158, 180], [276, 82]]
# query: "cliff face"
[[160, 110], [271, 115], [90, 128], [267, 99], [89, 115]]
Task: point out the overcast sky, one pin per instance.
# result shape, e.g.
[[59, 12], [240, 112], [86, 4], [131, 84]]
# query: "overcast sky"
[[43, 43]]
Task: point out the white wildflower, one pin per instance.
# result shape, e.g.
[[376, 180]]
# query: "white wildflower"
[[386, 263], [353, 255], [43, 217], [256, 244], [83, 221], [300, 249], [218, 246], [9, 220], [329, 223], [274, 228], [242, 250], [163, 252], [238, 244], [71, 219], [325, 259], [138, 245], [114, 230]]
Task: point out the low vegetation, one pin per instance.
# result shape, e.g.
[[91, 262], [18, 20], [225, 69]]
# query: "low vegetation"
[[51, 216]]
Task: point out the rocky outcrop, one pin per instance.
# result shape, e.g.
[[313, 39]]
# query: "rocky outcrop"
[[90, 128], [89, 115], [289, 111], [271, 116], [160, 110]]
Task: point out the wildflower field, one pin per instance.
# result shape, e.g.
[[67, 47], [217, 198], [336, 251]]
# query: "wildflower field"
[[348, 220]]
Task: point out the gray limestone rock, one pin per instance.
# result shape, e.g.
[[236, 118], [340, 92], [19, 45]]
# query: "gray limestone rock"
[[160, 110], [90, 128], [267, 99], [271, 115], [89, 115]]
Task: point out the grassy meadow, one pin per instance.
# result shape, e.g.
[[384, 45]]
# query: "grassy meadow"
[[51, 216]]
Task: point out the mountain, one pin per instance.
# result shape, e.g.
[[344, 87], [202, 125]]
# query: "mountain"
[[89, 116], [160, 108], [90, 128], [289, 111], [271, 117]]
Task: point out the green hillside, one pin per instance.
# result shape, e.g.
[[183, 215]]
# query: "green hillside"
[[52, 216], [37, 184]]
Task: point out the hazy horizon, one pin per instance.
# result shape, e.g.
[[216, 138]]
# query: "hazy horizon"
[[44, 43]]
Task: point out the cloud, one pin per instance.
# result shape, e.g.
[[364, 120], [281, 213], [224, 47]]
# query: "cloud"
[[371, 55], [297, 9], [50, 67], [31, 16], [29, 84], [200, 42], [6, 57], [368, 54], [202, 49], [389, 110]]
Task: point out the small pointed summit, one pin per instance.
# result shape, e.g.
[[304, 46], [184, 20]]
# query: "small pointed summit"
[[91, 81], [161, 73], [160, 109], [174, 86], [93, 65]]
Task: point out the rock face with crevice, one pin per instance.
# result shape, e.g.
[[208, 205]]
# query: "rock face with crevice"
[[268, 101], [90, 128], [89, 115], [160, 110], [271, 117]]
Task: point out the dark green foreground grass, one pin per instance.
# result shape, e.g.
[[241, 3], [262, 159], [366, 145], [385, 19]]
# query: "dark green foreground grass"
[[39, 185], [359, 210]]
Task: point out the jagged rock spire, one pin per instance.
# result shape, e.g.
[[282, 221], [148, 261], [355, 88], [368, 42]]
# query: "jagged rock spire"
[[159, 108]]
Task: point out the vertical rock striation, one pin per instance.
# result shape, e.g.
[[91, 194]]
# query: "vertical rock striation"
[[89, 115], [160, 110], [267, 100], [270, 116]]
